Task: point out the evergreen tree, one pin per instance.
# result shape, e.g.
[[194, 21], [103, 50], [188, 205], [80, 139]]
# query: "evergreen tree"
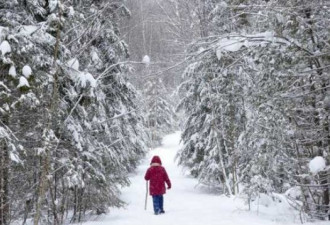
[[160, 117], [70, 126], [266, 114]]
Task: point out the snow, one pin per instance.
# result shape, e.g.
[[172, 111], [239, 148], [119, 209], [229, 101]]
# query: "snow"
[[82, 78], [74, 132], [236, 42], [71, 11], [294, 192], [219, 53], [23, 82], [52, 5], [3, 133], [230, 44], [85, 78], [74, 63], [264, 200], [12, 71], [317, 164], [95, 57], [27, 71], [3, 32], [14, 157], [187, 203], [5, 47], [146, 60], [223, 4], [28, 30]]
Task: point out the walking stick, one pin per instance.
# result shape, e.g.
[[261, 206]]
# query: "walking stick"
[[146, 201]]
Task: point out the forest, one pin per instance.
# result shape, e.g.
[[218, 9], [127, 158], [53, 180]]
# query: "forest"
[[89, 87]]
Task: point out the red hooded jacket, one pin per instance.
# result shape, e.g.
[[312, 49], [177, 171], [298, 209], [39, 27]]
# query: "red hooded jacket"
[[158, 177]]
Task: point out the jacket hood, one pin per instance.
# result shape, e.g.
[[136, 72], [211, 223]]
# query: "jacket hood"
[[156, 159]]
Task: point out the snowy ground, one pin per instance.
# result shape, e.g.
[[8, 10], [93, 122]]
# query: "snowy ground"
[[186, 204]]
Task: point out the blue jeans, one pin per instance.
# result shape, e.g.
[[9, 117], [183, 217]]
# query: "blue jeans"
[[158, 202]]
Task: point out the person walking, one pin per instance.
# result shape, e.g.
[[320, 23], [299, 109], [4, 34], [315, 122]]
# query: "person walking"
[[157, 176]]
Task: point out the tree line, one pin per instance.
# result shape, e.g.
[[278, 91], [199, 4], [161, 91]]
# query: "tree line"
[[256, 96], [71, 128]]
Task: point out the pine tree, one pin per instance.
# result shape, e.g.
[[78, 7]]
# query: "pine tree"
[[160, 117], [70, 126], [275, 93]]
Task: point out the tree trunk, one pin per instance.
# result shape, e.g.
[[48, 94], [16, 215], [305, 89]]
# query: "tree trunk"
[[81, 195], [203, 19], [63, 201], [75, 205], [53, 202], [325, 178], [4, 183], [143, 28], [41, 188]]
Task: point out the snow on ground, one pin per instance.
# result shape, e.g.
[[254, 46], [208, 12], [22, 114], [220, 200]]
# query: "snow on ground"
[[186, 204]]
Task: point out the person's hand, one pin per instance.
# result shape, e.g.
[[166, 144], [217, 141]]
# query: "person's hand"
[[168, 188]]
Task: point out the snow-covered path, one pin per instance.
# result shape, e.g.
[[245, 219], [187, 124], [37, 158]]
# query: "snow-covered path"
[[185, 204]]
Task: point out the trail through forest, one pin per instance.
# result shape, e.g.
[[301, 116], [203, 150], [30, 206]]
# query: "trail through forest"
[[189, 203]]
